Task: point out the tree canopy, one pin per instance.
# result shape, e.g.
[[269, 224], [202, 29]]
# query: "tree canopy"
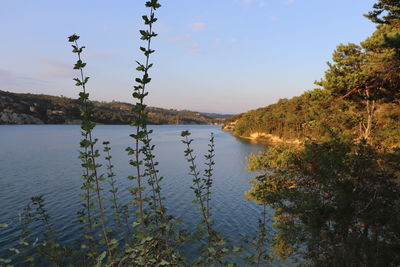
[[336, 197]]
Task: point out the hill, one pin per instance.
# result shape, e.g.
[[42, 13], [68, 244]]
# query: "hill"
[[309, 115], [358, 98], [45, 109]]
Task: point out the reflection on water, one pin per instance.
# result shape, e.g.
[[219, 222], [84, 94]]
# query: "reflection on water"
[[43, 160]]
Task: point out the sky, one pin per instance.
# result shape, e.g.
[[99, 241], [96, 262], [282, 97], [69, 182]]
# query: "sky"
[[225, 56]]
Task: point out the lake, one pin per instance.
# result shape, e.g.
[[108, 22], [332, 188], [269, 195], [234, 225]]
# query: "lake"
[[43, 160]]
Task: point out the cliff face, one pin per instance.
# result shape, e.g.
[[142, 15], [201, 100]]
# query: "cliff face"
[[10, 117], [34, 109], [44, 109], [229, 126], [13, 113]]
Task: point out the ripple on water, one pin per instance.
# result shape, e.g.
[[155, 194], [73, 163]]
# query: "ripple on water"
[[43, 160]]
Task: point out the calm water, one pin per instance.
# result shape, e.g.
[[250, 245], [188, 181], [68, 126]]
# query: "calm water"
[[43, 160]]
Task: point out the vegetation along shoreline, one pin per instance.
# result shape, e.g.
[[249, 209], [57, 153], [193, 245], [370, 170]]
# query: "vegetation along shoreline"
[[45, 109]]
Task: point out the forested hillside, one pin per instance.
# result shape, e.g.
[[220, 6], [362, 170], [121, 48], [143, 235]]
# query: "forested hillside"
[[336, 196], [358, 97], [312, 113], [45, 109]]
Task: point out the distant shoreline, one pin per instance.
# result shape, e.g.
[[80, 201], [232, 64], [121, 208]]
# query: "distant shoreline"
[[45, 109]]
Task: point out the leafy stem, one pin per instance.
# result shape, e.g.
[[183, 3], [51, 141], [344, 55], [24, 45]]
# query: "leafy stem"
[[214, 250], [140, 121], [88, 142]]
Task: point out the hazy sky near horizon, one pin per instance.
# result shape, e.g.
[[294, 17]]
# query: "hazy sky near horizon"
[[225, 56]]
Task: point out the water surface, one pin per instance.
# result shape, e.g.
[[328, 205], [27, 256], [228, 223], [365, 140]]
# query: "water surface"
[[43, 160]]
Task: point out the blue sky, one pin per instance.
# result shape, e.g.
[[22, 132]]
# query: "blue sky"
[[224, 56]]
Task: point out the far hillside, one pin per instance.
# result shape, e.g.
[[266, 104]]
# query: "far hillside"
[[46, 109]]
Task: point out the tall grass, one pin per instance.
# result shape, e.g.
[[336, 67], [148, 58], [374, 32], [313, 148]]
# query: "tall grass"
[[141, 233]]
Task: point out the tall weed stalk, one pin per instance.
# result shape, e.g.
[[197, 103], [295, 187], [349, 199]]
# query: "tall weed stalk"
[[121, 216], [90, 154], [215, 251], [153, 239]]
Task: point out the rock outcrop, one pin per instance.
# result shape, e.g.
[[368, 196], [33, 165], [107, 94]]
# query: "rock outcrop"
[[11, 117]]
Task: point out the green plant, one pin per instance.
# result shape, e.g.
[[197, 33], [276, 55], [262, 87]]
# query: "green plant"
[[335, 201], [154, 238], [260, 243], [215, 251], [90, 154], [120, 213], [44, 248]]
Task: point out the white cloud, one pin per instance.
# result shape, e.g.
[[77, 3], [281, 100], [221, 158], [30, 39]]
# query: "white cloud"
[[181, 38], [220, 41], [101, 53], [193, 48], [289, 2], [56, 69], [259, 3], [11, 80], [198, 26], [185, 41], [272, 18]]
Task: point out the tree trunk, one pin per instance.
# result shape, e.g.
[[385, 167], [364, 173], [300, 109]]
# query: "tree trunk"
[[370, 117]]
